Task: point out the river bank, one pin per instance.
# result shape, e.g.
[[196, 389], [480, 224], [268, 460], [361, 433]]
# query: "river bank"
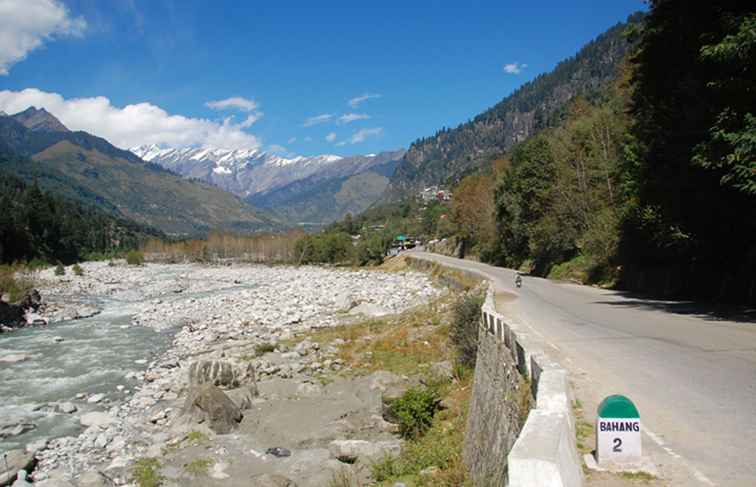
[[246, 316]]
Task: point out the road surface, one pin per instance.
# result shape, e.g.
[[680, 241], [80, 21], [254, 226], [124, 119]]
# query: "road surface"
[[691, 374]]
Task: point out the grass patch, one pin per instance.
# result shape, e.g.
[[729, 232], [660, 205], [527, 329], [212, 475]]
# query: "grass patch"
[[60, 270], [145, 472], [196, 438], [77, 270], [637, 476], [135, 257], [584, 430], [199, 467], [15, 282], [263, 348], [397, 344], [440, 447], [344, 478]]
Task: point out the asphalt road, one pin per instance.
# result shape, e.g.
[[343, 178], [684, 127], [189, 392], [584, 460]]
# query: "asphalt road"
[[690, 372]]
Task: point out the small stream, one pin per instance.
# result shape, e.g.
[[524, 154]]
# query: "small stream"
[[94, 356]]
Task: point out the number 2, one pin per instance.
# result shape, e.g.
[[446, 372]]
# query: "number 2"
[[617, 445]]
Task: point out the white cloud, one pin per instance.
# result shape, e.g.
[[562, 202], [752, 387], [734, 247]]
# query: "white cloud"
[[514, 68], [277, 148], [235, 102], [331, 137], [353, 117], [361, 136], [291, 140], [132, 125], [318, 119], [241, 104], [355, 102], [250, 120], [26, 25]]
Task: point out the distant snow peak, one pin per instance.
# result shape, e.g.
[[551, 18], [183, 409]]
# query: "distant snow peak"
[[246, 172]]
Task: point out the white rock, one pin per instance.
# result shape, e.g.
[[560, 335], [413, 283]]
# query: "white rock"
[[97, 418]]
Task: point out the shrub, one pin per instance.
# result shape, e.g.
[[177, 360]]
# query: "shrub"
[[145, 472], [14, 284], [60, 270], [263, 348], [199, 467], [414, 410], [135, 257], [77, 270], [464, 326]]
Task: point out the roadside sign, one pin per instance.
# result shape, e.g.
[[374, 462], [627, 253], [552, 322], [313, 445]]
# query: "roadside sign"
[[618, 431]]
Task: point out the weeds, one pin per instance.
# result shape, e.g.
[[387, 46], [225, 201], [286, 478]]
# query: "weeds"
[[263, 348], [145, 472], [77, 270], [135, 257], [14, 282], [465, 324], [60, 270], [199, 467]]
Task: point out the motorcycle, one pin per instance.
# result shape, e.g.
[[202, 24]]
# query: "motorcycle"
[[518, 281]]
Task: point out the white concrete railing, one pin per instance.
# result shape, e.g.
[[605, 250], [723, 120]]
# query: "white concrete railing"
[[545, 453]]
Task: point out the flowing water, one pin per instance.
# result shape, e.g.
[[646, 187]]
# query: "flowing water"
[[94, 356]]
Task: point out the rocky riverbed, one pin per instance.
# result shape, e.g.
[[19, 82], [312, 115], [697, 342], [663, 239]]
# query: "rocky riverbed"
[[238, 331]]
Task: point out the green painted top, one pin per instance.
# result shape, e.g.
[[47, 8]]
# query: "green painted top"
[[401, 238], [617, 406]]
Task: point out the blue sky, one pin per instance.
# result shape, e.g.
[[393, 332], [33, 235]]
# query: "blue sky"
[[157, 66]]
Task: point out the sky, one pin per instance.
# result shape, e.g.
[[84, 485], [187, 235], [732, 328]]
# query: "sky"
[[295, 78]]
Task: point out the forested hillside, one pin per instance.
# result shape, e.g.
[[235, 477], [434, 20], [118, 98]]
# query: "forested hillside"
[[649, 184], [87, 168], [538, 104], [36, 224]]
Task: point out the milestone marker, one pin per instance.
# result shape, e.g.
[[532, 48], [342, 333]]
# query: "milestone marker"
[[618, 432]]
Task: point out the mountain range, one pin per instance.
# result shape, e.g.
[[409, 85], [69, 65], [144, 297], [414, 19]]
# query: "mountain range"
[[314, 190], [87, 168]]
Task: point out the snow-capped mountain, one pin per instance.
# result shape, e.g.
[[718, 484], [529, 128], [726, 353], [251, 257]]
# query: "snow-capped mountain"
[[247, 172]]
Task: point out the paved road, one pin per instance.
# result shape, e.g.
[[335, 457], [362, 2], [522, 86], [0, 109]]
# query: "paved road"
[[691, 374]]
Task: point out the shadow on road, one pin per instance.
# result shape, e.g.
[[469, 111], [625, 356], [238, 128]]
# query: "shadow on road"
[[705, 311]]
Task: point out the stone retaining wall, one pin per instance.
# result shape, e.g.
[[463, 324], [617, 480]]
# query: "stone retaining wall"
[[544, 452]]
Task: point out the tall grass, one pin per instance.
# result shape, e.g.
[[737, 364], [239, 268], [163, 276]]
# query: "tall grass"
[[15, 281]]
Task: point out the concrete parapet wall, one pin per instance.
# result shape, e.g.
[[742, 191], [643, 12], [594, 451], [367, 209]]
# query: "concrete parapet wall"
[[545, 452]]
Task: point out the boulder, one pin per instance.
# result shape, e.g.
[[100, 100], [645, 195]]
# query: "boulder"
[[351, 451], [11, 315], [21, 480], [96, 418], [18, 429], [54, 483], [369, 310], [66, 408], [271, 480], [16, 460], [208, 404], [221, 373], [14, 357], [31, 300], [443, 370], [94, 478], [243, 396]]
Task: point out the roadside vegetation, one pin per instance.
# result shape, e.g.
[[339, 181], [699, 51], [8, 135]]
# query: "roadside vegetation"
[[431, 415]]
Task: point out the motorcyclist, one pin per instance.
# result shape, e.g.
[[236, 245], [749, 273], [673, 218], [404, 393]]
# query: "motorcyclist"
[[518, 280]]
